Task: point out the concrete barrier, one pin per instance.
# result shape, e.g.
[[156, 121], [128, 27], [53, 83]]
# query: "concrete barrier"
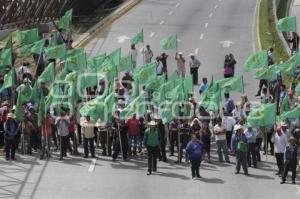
[[100, 26]]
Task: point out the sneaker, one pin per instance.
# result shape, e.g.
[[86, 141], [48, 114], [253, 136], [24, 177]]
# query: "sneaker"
[[246, 174], [278, 173], [228, 161], [237, 172], [257, 95], [282, 182], [149, 173], [7, 158], [199, 177], [293, 182], [14, 159]]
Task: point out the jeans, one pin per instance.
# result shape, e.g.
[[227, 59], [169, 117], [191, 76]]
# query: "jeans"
[[279, 161], [222, 146], [194, 73], [241, 159], [152, 156], [10, 148], [195, 164], [228, 139], [289, 164], [132, 140], [257, 148], [88, 143], [106, 142], [63, 145], [252, 154], [173, 140]]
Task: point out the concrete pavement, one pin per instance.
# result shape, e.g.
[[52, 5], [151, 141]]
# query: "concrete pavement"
[[295, 11]]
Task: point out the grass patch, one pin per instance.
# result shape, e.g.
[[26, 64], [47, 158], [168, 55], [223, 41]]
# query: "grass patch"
[[267, 31]]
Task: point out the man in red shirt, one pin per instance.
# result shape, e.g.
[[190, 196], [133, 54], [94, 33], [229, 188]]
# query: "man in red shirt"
[[133, 132]]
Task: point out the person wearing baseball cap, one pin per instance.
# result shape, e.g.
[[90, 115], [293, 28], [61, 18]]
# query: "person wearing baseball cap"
[[151, 142], [10, 136]]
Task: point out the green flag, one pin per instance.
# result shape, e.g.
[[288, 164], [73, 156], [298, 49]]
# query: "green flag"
[[93, 108], [297, 89], [169, 42], [210, 99], [6, 42], [266, 73], [292, 114], [287, 24], [113, 59], [264, 115], [125, 64], [77, 62], [139, 38], [233, 84], [48, 74], [56, 52], [95, 63], [109, 107], [66, 20], [290, 65], [41, 111], [284, 105], [145, 73], [24, 93], [155, 83], [174, 76], [28, 36], [38, 46], [35, 93], [188, 84], [9, 80], [6, 57], [137, 106], [257, 60]]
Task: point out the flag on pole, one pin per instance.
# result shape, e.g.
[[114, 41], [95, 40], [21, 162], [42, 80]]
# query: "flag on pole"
[[48, 74], [77, 62], [287, 24], [234, 84], [257, 60], [28, 36], [137, 106], [66, 20], [210, 99], [145, 73], [138, 38], [38, 46], [95, 63], [6, 42], [6, 57], [292, 114], [169, 42], [41, 111], [264, 115], [56, 52], [267, 73], [9, 80], [125, 64]]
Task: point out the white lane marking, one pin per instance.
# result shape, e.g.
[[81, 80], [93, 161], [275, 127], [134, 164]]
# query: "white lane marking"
[[196, 51], [179, 40], [92, 166], [216, 6], [161, 23], [201, 36], [210, 15], [206, 25], [170, 13], [177, 5], [122, 39], [152, 34], [226, 43], [220, 0]]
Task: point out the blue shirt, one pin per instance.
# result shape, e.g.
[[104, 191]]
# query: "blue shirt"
[[236, 138], [203, 87], [251, 136]]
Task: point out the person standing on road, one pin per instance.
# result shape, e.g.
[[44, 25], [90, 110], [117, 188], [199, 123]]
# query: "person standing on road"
[[87, 129], [280, 142], [46, 136], [185, 132], [180, 63], [291, 153], [10, 136], [240, 147], [228, 123], [134, 54], [220, 135], [163, 139], [194, 66], [133, 125], [173, 135], [251, 140], [62, 124], [194, 149], [203, 86], [163, 59], [205, 136], [148, 54], [229, 104], [151, 142]]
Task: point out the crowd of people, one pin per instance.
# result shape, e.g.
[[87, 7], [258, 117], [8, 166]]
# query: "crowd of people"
[[67, 131]]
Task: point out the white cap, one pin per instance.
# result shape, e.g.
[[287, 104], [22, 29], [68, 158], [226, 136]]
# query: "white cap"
[[238, 127], [180, 53]]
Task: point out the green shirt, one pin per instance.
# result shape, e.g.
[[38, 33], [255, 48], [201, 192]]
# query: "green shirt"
[[152, 137]]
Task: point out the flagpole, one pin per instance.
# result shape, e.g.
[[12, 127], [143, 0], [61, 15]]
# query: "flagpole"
[[143, 52], [38, 61]]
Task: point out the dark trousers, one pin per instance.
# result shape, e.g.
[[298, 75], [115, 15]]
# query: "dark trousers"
[[152, 156], [162, 151], [241, 160], [228, 139], [279, 161], [26, 144], [10, 148], [106, 142], [173, 140], [88, 143], [289, 165], [35, 140], [195, 165], [46, 143], [64, 142], [194, 73], [252, 154], [262, 83], [117, 147], [269, 142], [54, 135], [1, 138], [79, 134], [72, 136], [257, 148]]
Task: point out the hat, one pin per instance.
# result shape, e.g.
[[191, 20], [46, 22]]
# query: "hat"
[[238, 127], [283, 124], [151, 123], [192, 55], [11, 115], [180, 53]]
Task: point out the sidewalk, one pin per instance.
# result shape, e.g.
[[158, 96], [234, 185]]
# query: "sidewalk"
[[296, 12]]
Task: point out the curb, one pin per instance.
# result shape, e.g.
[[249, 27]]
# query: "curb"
[[101, 25], [258, 41]]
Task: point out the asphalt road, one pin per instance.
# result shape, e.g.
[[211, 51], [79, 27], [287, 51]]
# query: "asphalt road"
[[202, 25]]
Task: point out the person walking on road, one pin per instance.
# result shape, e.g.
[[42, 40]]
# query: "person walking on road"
[[151, 142], [280, 142], [194, 149], [148, 53], [240, 147], [194, 66], [62, 124], [251, 140], [291, 153], [87, 129], [134, 54], [220, 135], [203, 86], [10, 136], [180, 63], [133, 125]]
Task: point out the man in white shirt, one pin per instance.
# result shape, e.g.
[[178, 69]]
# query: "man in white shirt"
[[194, 66], [228, 123], [280, 142], [180, 62], [133, 53], [220, 135], [148, 53], [285, 129]]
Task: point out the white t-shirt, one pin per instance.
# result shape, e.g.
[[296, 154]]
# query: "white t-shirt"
[[221, 136], [228, 123], [280, 143], [159, 68], [134, 54]]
